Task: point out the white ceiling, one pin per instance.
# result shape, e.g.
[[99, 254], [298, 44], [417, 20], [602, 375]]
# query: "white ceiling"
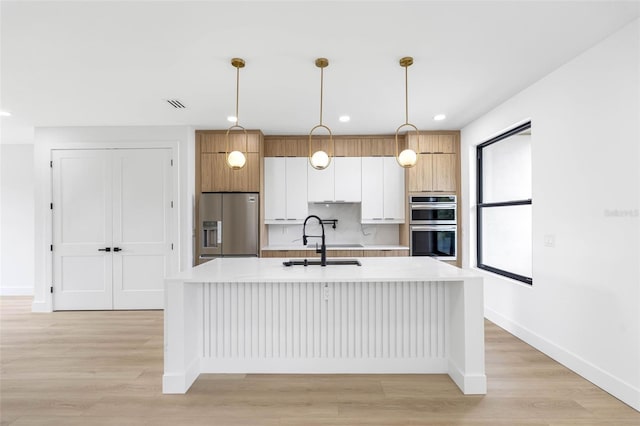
[[116, 62]]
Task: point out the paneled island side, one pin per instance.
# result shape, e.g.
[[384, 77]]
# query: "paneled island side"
[[390, 315]]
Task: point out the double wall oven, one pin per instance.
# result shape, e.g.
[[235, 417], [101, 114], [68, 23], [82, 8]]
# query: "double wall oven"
[[434, 226]]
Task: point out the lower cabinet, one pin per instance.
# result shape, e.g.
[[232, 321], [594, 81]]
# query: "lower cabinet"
[[386, 253]]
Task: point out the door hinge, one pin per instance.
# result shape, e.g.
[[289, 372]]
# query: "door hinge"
[[171, 246], [51, 247], [172, 162], [51, 289], [51, 205], [172, 204], [51, 163]]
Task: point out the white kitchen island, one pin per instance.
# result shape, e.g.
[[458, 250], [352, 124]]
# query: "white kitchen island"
[[390, 315]]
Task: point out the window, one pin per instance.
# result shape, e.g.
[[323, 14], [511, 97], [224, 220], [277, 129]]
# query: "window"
[[504, 204]]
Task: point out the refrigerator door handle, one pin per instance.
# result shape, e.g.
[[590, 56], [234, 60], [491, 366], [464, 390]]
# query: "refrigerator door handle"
[[219, 232]]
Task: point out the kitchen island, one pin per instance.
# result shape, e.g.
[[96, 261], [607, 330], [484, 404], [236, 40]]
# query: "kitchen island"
[[390, 315]]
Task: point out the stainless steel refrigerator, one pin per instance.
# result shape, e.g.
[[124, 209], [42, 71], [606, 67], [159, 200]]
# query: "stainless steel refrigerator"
[[228, 225]]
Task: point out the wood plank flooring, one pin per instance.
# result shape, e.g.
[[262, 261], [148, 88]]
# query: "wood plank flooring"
[[105, 368]]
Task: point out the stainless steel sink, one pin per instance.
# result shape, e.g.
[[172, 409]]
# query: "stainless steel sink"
[[307, 262], [344, 246]]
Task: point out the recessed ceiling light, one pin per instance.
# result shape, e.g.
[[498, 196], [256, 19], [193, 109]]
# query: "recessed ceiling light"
[[5, 114], [344, 118], [232, 119], [439, 117]]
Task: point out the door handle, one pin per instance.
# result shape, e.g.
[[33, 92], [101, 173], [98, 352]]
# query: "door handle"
[[117, 249], [105, 249]]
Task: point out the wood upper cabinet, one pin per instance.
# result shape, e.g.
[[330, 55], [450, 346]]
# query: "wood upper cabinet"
[[430, 143], [437, 166], [348, 147], [215, 174], [383, 146], [285, 146], [216, 141]]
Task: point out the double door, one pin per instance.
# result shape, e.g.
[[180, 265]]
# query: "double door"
[[112, 213]]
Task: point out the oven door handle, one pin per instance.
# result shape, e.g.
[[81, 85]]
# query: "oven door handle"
[[434, 228], [432, 206]]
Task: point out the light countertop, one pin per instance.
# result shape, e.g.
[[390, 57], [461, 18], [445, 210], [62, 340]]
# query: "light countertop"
[[373, 269], [312, 246]]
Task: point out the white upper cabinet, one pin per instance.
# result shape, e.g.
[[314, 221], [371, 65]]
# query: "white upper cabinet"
[[393, 190], [275, 197], [382, 190], [297, 207], [341, 181], [348, 179], [285, 189], [320, 186]]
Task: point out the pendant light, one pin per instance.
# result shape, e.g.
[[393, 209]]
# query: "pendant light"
[[320, 160], [408, 157], [237, 159]]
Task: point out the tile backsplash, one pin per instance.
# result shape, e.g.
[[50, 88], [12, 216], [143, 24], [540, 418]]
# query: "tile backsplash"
[[348, 230]]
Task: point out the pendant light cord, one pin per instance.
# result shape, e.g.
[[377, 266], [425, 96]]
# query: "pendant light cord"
[[321, 91], [406, 95], [237, 93]]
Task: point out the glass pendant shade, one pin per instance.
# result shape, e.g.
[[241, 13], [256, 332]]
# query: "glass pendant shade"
[[408, 158], [236, 160], [320, 160]]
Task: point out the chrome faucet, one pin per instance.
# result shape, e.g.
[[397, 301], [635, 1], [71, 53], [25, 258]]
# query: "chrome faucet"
[[323, 248]]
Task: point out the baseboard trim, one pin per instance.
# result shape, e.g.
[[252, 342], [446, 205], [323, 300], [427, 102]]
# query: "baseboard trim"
[[179, 383], [620, 389], [41, 307], [470, 384], [16, 291]]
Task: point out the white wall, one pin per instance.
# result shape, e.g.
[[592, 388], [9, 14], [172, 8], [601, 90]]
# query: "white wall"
[[584, 306], [180, 138], [16, 219]]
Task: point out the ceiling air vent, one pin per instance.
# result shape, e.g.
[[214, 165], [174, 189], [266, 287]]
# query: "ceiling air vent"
[[175, 103]]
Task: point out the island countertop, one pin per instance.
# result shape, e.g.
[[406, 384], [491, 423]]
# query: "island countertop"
[[397, 315], [373, 269]]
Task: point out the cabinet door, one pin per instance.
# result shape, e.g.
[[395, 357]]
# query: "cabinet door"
[[421, 175], [444, 172], [213, 172], [217, 142], [393, 189], [274, 189], [446, 144], [217, 176], [296, 188], [320, 184], [372, 186], [348, 179]]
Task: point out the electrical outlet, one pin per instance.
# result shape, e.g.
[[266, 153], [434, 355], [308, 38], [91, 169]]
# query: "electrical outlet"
[[550, 240], [326, 292]]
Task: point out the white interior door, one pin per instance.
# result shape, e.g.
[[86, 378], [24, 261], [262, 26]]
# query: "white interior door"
[[82, 229], [111, 228], [141, 227]]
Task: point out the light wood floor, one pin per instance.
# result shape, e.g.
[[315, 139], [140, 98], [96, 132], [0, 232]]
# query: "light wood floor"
[[105, 368]]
